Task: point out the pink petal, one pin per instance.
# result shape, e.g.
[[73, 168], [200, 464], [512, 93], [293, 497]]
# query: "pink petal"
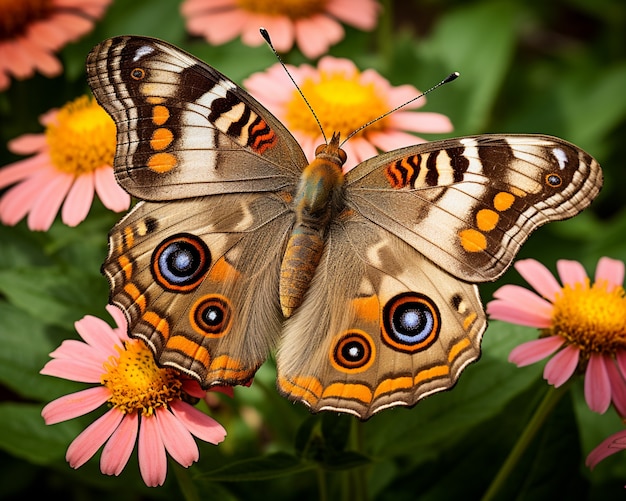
[[120, 332], [610, 270], [151, 452], [393, 139], [316, 34], [421, 122], [49, 200], [120, 446], [597, 383], [571, 272], [535, 350], [562, 366], [609, 446], [28, 144], [618, 388], [515, 302], [78, 200], [361, 14], [539, 277], [83, 371], [112, 195], [176, 438], [17, 201], [23, 169], [75, 404], [98, 334], [91, 439], [507, 312], [620, 357], [198, 423]]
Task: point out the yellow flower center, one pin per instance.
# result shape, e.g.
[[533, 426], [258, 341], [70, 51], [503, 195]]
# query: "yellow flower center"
[[17, 15], [343, 104], [136, 383], [591, 318], [83, 137], [293, 9]]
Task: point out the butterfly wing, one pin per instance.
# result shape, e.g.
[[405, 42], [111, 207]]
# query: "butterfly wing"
[[381, 325], [183, 128], [470, 203], [194, 267], [198, 281]]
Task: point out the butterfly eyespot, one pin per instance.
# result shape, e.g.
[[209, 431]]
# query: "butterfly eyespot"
[[137, 74], [211, 316], [352, 351], [411, 322], [554, 180], [180, 262]]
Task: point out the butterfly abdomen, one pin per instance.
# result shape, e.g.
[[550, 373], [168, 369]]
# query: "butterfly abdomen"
[[316, 201]]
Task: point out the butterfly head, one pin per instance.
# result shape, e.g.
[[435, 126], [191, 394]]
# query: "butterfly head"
[[331, 152]]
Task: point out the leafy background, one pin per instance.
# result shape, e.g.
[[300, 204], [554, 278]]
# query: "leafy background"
[[526, 66]]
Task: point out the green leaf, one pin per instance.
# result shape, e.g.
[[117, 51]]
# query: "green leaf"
[[55, 296], [24, 434], [270, 466], [478, 41]]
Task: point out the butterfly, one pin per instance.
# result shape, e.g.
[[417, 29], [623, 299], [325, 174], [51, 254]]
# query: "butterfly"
[[364, 283]]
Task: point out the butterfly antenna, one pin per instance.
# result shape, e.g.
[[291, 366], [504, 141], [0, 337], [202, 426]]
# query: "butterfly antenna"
[[266, 36], [449, 78]]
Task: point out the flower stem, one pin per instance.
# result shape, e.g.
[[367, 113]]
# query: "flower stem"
[[549, 401]]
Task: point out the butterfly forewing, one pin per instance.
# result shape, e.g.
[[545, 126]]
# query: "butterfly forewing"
[[470, 203], [183, 128]]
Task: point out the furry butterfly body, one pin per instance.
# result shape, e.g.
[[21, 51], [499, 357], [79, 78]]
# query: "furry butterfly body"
[[365, 281]]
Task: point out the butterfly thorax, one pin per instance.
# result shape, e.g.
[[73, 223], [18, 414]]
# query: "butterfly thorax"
[[317, 200]]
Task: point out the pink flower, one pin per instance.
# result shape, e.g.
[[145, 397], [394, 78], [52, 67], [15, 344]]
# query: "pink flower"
[[582, 325], [32, 30], [146, 402], [71, 161], [313, 24], [344, 99]]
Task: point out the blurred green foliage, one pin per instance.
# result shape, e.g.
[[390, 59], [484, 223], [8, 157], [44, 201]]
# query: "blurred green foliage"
[[526, 66]]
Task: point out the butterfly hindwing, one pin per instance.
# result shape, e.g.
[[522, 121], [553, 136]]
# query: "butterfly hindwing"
[[183, 128], [193, 284], [468, 204], [393, 330]]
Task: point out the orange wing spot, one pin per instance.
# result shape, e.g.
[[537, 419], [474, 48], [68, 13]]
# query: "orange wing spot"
[[458, 348], [222, 272], [517, 192], [367, 308], [228, 368], [160, 114], [128, 237], [126, 265], [155, 100], [503, 201], [262, 136], [162, 162], [160, 324], [469, 320], [308, 389], [161, 138], [138, 298], [354, 391], [473, 240], [486, 219], [432, 373], [393, 384], [189, 348], [399, 174]]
